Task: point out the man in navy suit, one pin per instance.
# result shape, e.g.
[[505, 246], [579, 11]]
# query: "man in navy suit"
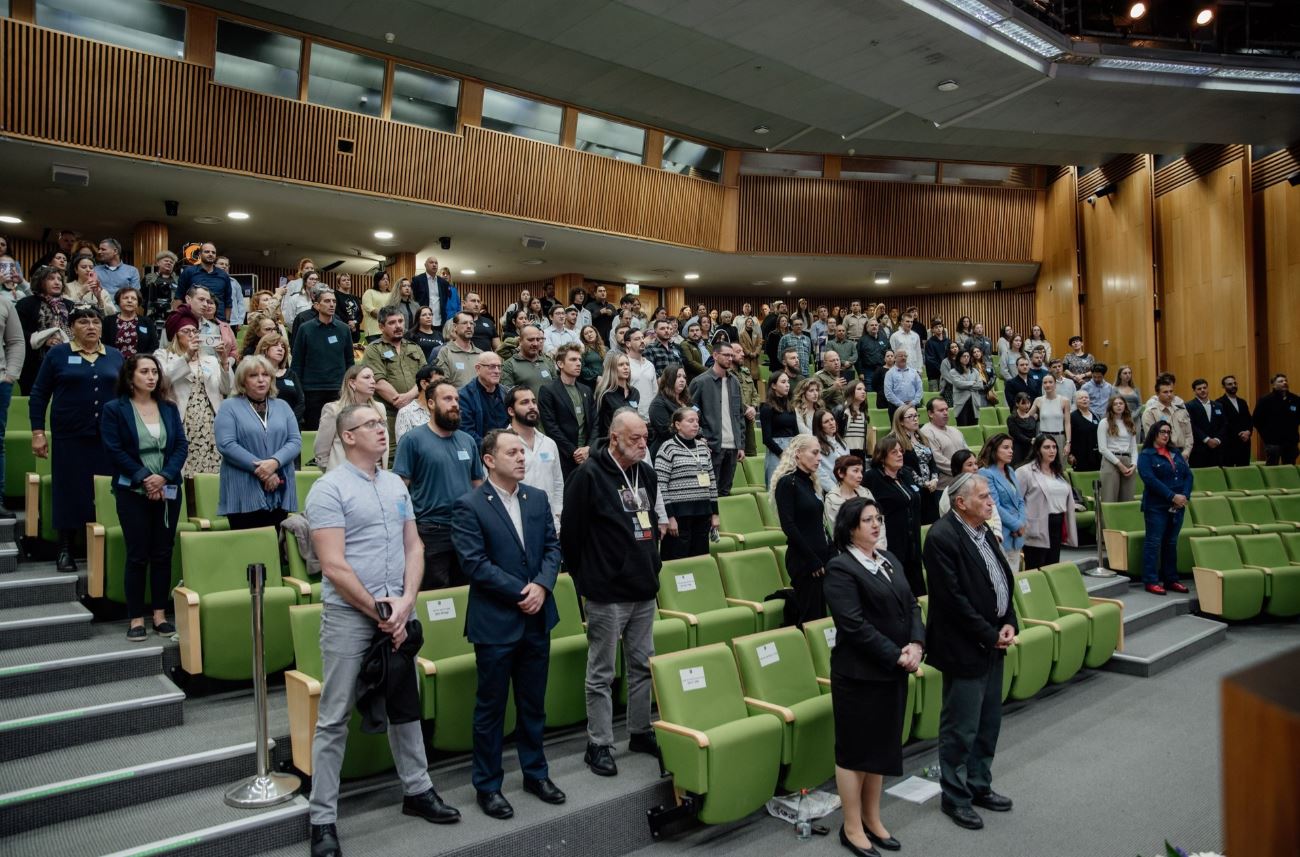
[[429, 284], [1209, 426], [504, 533]]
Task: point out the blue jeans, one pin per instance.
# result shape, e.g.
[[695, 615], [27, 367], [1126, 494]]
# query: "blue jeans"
[[1160, 548], [6, 394]]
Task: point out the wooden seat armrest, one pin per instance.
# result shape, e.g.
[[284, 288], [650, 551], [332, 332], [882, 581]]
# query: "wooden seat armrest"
[[700, 738], [920, 670], [741, 602], [825, 682], [302, 693], [32, 503], [427, 667], [186, 604], [1055, 626], [201, 523], [303, 587], [296, 681], [1084, 611], [691, 618], [779, 710], [96, 548], [1212, 571]]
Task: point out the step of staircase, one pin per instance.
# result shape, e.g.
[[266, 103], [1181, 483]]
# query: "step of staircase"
[[1106, 587], [75, 663], [9, 554], [189, 824], [1155, 648], [213, 746], [28, 587], [38, 723], [37, 624], [1143, 610]]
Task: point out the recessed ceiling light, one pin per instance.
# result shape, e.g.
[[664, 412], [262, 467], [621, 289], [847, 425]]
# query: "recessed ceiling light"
[[761, 283], [208, 220], [880, 278], [237, 215], [384, 235], [1205, 17], [948, 86], [761, 129], [469, 272], [691, 276], [923, 287], [968, 283], [533, 262], [9, 218], [789, 278]]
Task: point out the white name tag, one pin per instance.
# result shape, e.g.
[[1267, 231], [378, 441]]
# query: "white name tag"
[[692, 678], [288, 382], [460, 367], [544, 456], [442, 609], [73, 359], [829, 633], [462, 455], [333, 340], [685, 582], [767, 654], [144, 329], [1024, 584], [545, 374], [388, 355]]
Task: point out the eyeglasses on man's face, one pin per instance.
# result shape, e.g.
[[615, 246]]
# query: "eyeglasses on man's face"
[[368, 425]]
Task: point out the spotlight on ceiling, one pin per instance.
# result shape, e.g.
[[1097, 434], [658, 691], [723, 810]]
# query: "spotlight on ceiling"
[[1205, 17], [237, 215], [948, 86], [761, 129], [691, 276], [968, 283], [1137, 11], [880, 278], [9, 218], [469, 272], [789, 278], [384, 235]]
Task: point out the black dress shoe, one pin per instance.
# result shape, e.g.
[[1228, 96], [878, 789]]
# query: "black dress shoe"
[[65, 562], [888, 843], [600, 760], [430, 807], [993, 802], [860, 852], [644, 742], [963, 816], [165, 629], [325, 841], [544, 789], [495, 805], [137, 634]]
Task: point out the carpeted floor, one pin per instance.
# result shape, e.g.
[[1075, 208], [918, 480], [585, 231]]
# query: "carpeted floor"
[[1110, 767]]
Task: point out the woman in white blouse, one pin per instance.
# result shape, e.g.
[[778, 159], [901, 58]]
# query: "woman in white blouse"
[[807, 401], [1049, 504], [848, 484], [1038, 339], [1054, 416], [1117, 443]]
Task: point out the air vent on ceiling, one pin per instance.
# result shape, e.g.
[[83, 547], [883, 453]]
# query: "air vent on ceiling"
[[532, 242], [72, 176]]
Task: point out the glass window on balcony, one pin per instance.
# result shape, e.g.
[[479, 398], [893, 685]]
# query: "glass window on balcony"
[[611, 139], [780, 164], [888, 170], [692, 159], [994, 175], [345, 80], [424, 98], [143, 25], [260, 60], [522, 117]]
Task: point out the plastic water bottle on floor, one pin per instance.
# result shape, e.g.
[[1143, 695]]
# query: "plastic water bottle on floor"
[[930, 772], [803, 818]]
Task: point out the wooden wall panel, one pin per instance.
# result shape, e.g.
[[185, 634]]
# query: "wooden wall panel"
[[1118, 317], [1277, 234], [1057, 291], [1207, 325], [885, 219]]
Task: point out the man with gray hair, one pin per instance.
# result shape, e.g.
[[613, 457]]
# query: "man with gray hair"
[[971, 624], [608, 534], [322, 352]]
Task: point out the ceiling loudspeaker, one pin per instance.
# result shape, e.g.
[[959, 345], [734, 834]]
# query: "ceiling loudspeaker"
[[69, 176], [532, 242]]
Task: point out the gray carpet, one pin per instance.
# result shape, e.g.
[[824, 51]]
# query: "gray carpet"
[[1112, 766]]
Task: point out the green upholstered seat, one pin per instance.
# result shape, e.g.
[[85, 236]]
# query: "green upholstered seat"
[[566, 679], [754, 468], [205, 491], [1083, 481], [879, 418], [741, 484], [213, 611], [973, 435], [1224, 586], [1281, 577], [106, 548], [1105, 615], [448, 671], [303, 480], [1210, 481], [1214, 514], [669, 634], [691, 590], [1286, 507], [709, 741], [777, 674], [1281, 477], [1257, 513], [308, 454], [366, 754], [928, 701], [748, 578], [298, 574], [779, 552], [741, 519], [989, 416], [1032, 668], [1247, 479], [1070, 631], [819, 634], [1124, 531], [1291, 541]]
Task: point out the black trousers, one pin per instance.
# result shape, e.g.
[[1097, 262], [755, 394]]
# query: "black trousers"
[[967, 416], [724, 470], [312, 402], [1279, 454], [253, 520], [441, 565], [149, 530], [1039, 557], [809, 599], [692, 538], [969, 724], [1234, 452], [524, 664]]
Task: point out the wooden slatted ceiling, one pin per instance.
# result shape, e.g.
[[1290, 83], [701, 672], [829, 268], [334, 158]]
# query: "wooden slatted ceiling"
[[1274, 168], [1109, 173], [862, 218], [1194, 166]]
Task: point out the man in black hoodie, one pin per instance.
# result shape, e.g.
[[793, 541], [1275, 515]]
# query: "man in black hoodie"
[[608, 534], [1277, 416]]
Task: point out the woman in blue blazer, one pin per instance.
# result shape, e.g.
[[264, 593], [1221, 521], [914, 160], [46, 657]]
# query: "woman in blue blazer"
[[257, 435], [146, 446], [995, 466], [1167, 483]]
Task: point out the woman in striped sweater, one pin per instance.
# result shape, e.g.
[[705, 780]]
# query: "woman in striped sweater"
[[684, 468]]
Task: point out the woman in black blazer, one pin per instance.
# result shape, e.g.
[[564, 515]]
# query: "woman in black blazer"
[[898, 491], [879, 639], [798, 501], [145, 441]]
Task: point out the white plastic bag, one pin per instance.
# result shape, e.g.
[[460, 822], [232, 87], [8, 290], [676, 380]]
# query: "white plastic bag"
[[786, 807]]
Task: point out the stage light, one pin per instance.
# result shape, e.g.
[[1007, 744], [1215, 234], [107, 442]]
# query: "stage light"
[[1137, 11], [1205, 17]]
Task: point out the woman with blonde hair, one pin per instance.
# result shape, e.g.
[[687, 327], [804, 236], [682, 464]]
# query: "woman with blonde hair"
[[797, 498], [275, 348], [403, 297], [807, 399], [257, 325], [358, 388], [375, 298], [751, 342], [199, 384], [259, 442], [614, 391]]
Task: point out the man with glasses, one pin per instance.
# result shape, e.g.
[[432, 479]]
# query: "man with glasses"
[[370, 585], [483, 401]]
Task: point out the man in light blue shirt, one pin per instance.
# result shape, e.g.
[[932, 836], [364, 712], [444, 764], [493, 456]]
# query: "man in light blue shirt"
[[113, 272], [1099, 390], [902, 384]]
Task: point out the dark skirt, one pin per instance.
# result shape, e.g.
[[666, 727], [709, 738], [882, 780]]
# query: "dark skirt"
[[869, 724], [74, 462]]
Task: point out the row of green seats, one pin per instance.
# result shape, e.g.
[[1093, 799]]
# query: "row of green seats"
[[1240, 576]]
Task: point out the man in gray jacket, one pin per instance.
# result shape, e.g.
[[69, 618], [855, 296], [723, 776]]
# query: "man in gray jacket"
[[11, 355], [871, 352], [716, 392]]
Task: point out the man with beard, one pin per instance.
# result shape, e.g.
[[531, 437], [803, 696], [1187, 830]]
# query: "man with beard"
[[1236, 443], [541, 455], [439, 463]]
